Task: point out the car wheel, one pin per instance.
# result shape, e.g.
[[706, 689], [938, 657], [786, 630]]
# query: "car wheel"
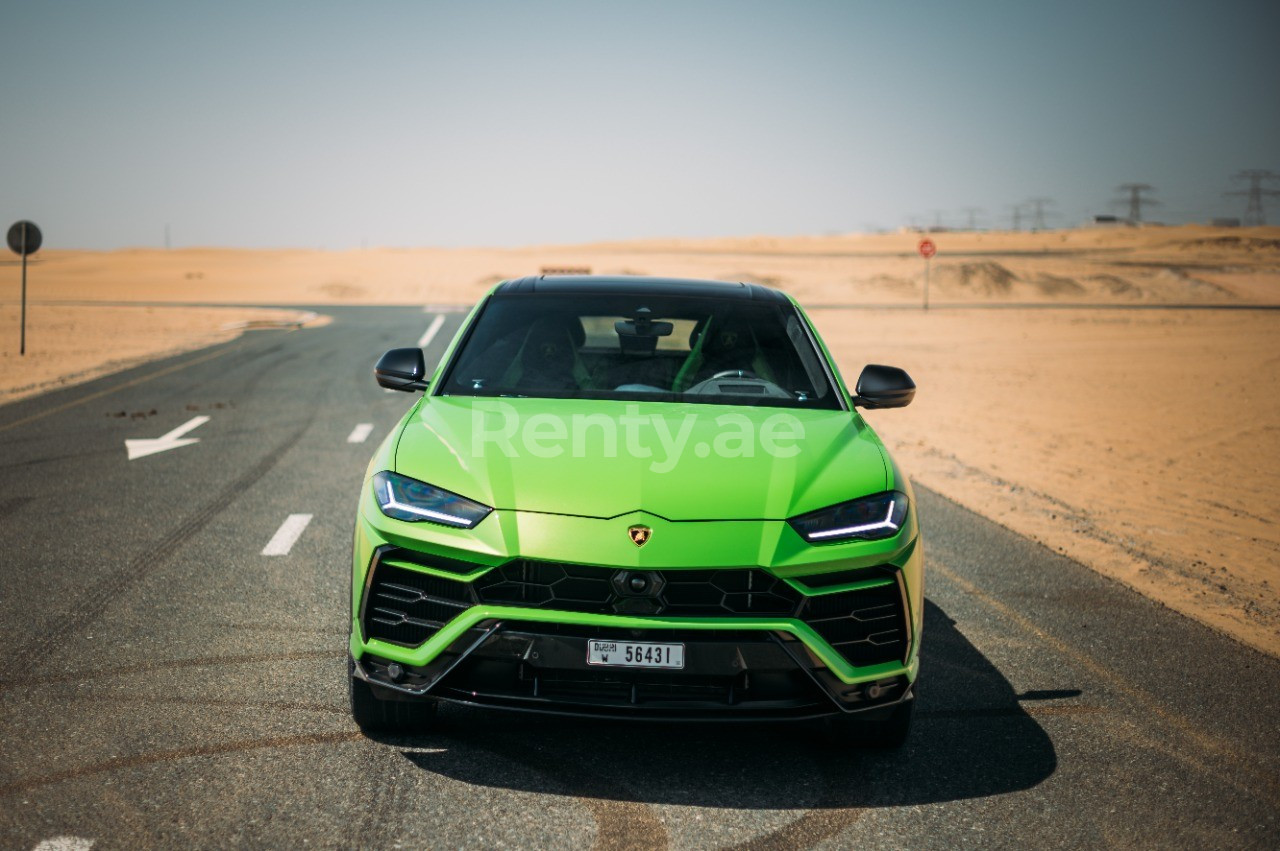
[[886, 733], [374, 715]]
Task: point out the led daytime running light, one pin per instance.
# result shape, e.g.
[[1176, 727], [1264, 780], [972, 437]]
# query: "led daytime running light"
[[886, 523]]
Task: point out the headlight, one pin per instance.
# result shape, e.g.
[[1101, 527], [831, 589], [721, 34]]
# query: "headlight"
[[408, 499], [866, 519]]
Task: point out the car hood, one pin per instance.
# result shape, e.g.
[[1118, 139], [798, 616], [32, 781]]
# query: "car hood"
[[607, 458]]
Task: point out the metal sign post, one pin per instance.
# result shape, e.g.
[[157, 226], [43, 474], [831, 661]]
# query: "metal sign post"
[[24, 239], [927, 249]]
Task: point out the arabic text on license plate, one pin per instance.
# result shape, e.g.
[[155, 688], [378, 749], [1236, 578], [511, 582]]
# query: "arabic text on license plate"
[[632, 654]]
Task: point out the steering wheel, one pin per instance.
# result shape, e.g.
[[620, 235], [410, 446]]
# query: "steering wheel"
[[735, 373]]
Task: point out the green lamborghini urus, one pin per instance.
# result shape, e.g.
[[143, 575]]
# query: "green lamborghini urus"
[[643, 498]]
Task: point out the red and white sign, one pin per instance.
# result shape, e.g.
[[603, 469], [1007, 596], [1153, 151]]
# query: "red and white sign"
[[927, 249]]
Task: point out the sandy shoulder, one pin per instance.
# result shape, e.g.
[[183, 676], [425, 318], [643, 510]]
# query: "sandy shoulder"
[[1145, 444], [72, 344]]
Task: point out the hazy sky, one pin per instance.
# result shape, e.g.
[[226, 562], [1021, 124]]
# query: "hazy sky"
[[503, 123]]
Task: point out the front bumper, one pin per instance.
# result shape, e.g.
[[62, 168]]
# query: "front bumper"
[[463, 626], [747, 675]]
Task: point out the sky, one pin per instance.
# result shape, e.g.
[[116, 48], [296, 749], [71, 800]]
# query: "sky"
[[342, 125]]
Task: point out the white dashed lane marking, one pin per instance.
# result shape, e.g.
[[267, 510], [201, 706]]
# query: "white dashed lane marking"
[[65, 843], [430, 334], [287, 535], [360, 433]]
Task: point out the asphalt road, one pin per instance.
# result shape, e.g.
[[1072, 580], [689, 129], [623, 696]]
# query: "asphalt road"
[[165, 684]]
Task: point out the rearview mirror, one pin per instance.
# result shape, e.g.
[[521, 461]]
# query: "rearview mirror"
[[402, 369], [884, 387]]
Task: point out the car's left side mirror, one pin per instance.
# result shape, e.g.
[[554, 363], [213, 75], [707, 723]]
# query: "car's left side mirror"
[[402, 369], [884, 387]]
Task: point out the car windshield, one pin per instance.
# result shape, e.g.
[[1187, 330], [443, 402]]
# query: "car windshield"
[[635, 346]]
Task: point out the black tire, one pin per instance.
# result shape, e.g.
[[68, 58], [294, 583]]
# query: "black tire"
[[374, 715], [881, 733]]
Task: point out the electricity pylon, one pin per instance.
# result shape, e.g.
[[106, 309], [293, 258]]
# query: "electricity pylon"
[[1136, 198], [1253, 212], [1037, 206]]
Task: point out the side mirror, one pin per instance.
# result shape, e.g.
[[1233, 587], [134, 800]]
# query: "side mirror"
[[402, 369], [884, 387]]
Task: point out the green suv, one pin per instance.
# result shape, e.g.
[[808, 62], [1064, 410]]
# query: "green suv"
[[642, 498]]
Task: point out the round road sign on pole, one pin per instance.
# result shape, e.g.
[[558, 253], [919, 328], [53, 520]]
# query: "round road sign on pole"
[[24, 238], [927, 249]]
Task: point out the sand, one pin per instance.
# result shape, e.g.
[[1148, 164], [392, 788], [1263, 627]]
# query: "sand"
[[1142, 439], [1185, 265], [71, 344]]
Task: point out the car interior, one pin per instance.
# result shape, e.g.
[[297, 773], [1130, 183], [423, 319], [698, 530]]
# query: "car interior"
[[563, 347]]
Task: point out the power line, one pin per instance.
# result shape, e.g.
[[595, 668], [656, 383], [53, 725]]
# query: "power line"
[[972, 214], [1136, 199], [1253, 213], [1037, 206]]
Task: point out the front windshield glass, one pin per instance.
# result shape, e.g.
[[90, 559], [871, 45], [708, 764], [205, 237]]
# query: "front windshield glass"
[[634, 346]]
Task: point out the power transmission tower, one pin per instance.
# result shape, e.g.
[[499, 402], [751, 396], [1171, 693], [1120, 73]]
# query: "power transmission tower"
[[1015, 213], [1253, 212], [972, 213], [1136, 199], [1037, 206]]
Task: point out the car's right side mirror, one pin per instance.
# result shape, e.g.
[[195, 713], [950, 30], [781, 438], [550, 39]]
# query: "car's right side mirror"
[[402, 369], [884, 387]]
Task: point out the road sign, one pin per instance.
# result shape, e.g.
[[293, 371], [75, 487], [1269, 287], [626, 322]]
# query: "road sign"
[[24, 239], [927, 249]]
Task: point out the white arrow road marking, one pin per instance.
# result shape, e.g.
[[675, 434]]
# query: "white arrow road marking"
[[172, 440], [430, 333], [360, 433], [65, 843], [287, 535]]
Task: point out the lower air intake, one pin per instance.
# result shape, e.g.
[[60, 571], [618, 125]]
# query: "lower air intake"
[[866, 627], [407, 607]]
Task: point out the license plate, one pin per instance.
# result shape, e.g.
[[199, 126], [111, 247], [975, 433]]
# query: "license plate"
[[635, 654]]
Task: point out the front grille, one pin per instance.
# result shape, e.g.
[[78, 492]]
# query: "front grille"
[[542, 584], [598, 590], [865, 627], [407, 607], [737, 592]]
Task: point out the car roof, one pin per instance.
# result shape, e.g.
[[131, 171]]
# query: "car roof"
[[638, 285]]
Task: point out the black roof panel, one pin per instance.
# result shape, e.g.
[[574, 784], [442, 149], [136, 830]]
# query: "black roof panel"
[[638, 284]]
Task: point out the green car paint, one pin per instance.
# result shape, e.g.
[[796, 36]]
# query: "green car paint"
[[575, 506]]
